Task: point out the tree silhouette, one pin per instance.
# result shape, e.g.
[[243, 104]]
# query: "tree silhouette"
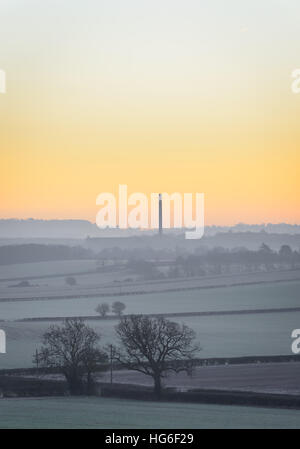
[[155, 346], [118, 307], [102, 309], [73, 349]]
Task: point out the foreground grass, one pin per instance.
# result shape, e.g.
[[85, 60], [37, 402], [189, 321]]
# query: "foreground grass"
[[107, 413]]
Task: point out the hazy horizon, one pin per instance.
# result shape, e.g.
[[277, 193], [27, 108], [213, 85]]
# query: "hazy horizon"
[[225, 225]]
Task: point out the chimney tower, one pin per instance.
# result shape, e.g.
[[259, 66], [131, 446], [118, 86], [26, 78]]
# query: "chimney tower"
[[160, 213]]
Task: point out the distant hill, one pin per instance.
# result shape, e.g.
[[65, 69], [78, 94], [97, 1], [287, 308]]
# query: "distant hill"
[[13, 254], [81, 229], [31, 228]]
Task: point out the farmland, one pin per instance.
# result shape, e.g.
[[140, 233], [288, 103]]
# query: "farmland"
[[27, 312], [121, 414], [219, 336], [114, 281], [38, 269], [278, 378], [261, 296]]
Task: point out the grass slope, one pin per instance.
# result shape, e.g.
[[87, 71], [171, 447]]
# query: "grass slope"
[[117, 414]]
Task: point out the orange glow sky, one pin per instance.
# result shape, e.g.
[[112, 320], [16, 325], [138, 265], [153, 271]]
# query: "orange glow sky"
[[162, 96]]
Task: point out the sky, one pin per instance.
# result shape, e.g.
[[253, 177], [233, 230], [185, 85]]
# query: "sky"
[[164, 96]]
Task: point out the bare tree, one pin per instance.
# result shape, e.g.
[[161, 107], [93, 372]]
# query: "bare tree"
[[155, 346], [73, 349], [118, 308], [102, 309], [70, 280]]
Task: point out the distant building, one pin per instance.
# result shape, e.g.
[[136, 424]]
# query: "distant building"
[[160, 213]]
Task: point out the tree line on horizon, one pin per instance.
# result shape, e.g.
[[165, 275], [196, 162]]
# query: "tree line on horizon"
[[219, 261], [143, 261]]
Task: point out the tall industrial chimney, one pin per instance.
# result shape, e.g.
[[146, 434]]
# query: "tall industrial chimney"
[[160, 213]]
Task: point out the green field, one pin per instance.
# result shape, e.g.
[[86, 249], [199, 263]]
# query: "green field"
[[262, 296], [106, 413]]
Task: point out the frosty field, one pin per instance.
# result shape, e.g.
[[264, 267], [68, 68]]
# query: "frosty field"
[[35, 269], [103, 413], [219, 336], [261, 296]]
